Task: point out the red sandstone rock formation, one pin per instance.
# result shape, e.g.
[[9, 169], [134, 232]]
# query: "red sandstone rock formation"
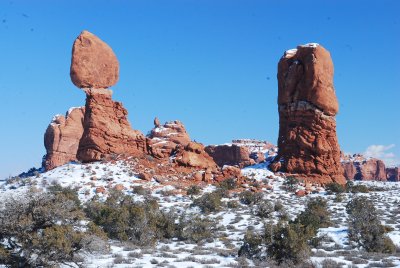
[[307, 141], [393, 174], [194, 155], [232, 155], [62, 138], [107, 130], [357, 167], [93, 64], [163, 140]]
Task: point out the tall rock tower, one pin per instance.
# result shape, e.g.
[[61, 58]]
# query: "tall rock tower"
[[308, 145]]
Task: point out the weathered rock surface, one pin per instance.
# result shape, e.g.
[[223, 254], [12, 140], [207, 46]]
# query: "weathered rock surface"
[[62, 138], [194, 155], [93, 64], [233, 155], [307, 142], [357, 167], [107, 130], [241, 153], [393, 174], [164, 139]]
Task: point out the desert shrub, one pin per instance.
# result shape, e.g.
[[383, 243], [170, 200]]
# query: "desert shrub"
[[139, 190], [67, 192], [335, 187], [278, 206], [315, 215], [142, 223], [291, 184], [356, 188], [263, 209], [365, 228], [209, 202], [228, 184], [287, 243], [196, 228], [193, 190], [45, 230], [232, 204], [252, 245], [250, 198]]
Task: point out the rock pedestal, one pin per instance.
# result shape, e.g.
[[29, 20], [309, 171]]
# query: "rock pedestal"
[[107, 130], [307, 142]]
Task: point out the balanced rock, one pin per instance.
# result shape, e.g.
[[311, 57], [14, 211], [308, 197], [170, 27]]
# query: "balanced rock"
[[164, 139], [307, 142], [107, 130], [62, 138], [93, 64]]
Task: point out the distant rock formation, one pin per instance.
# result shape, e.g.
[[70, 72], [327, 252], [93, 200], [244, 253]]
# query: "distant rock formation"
[[164, 139], [232, 155], [93, 64], [393, 174], [307, 142], [241, 153], [62, 138], [358, 167], [107, 130]]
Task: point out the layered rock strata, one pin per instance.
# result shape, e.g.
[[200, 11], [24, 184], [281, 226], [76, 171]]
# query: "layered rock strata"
[[307, 142]]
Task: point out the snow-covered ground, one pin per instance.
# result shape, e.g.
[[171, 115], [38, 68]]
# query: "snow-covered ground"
[[97, 178]]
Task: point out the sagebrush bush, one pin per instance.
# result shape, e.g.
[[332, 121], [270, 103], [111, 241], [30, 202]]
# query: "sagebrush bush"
[[365, 228], [287, 243], [193, 190], [228, 184], [263, 209], [209, 202], [335, 187], [196, 228], [45, 230], [142, 223], [291, 184], [250, 198], [315, 215]]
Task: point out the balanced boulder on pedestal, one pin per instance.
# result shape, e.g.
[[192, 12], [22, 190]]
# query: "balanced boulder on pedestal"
[[94, 68], [307, 142]]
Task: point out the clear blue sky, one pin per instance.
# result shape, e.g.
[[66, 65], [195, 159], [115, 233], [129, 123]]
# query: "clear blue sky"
[[211, 64]]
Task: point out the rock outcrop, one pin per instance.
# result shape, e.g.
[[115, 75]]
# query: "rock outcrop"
[[357, 167], [62, 138], [307, 142], [194, 155], [393, 174], [93, 64], [107, 130], [232, 155], [164, 139], [241, 153]]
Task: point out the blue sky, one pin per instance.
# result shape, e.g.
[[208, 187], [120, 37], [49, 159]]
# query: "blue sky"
[[210, 64]]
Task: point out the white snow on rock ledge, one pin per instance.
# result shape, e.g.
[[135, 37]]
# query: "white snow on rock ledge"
[[310, 45]]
